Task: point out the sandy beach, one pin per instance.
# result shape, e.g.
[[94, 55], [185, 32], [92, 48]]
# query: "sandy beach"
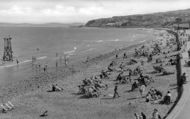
[[30, 93]]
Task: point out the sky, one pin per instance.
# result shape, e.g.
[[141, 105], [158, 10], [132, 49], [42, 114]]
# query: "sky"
[[72, 11]]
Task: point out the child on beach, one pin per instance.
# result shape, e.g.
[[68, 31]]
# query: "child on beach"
[[155, 114], [142, 90]]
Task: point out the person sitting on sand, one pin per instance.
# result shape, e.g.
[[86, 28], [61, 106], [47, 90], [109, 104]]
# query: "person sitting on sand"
[[167, 98], [148, 97], [134, 86], [142, 62], [121, 66], [111, 64], [130, 73], [124, 56], [142, 79], [110, 69], [85, 82], [119, 77], [103, 74], [149, 58], [158, 93], [183, 78], [137, 116], [143, 115], [116, 56], [56, 88], [53, 87], [44, 114]]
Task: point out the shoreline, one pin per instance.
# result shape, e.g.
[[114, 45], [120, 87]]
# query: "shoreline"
[[31, 83]]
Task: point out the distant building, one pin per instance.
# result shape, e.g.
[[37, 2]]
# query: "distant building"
[[181, 26]]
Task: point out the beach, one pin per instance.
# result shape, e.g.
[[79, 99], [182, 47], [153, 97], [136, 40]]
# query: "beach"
[[29, 92]]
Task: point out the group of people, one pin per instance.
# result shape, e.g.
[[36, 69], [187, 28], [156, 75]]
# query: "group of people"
[[91, 87], [156, 95], [155, 115], [153, 95], [148, 51], [141, 116]]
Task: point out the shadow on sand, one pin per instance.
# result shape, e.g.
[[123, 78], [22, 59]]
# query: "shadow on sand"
[[107, 98], [169, 73], [135, 98]]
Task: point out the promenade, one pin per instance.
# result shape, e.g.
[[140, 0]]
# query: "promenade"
[[181, 111]]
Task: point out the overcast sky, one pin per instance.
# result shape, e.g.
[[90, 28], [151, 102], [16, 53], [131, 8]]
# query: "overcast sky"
[[69, 11]]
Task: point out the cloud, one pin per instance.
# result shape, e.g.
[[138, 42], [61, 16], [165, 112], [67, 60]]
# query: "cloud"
[[42, 11]]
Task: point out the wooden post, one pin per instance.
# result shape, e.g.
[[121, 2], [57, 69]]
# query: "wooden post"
[[56, 65], [65, 59]]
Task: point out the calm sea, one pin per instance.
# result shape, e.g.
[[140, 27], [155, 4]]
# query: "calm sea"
[[46, 41], [78, 43]]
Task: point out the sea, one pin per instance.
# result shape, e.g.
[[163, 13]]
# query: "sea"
[[72, 42]]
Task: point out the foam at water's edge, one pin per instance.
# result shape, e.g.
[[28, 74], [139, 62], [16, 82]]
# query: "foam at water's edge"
[[115, 40], [142, 41], [43, 57], [99, 41], [71, 52], [25, 61]]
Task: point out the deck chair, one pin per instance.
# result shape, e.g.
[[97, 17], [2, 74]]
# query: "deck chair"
[[4, 109], [44, 114], [9, 105]]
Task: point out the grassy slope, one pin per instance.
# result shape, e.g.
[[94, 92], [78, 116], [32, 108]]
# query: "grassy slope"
[[162, 19]]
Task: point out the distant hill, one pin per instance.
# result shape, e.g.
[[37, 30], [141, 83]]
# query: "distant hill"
[[161, 19]]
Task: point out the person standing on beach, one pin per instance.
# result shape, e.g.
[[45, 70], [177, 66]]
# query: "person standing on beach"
[[183, 78], [45, 68], [124, 56], [17, 62], [189, 53], [39, 66], [142, 90], [155, 114], [143, 115], [116, 56], [116, 94]]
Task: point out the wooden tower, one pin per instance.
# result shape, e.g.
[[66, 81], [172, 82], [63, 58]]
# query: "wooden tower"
[[8, 53]]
